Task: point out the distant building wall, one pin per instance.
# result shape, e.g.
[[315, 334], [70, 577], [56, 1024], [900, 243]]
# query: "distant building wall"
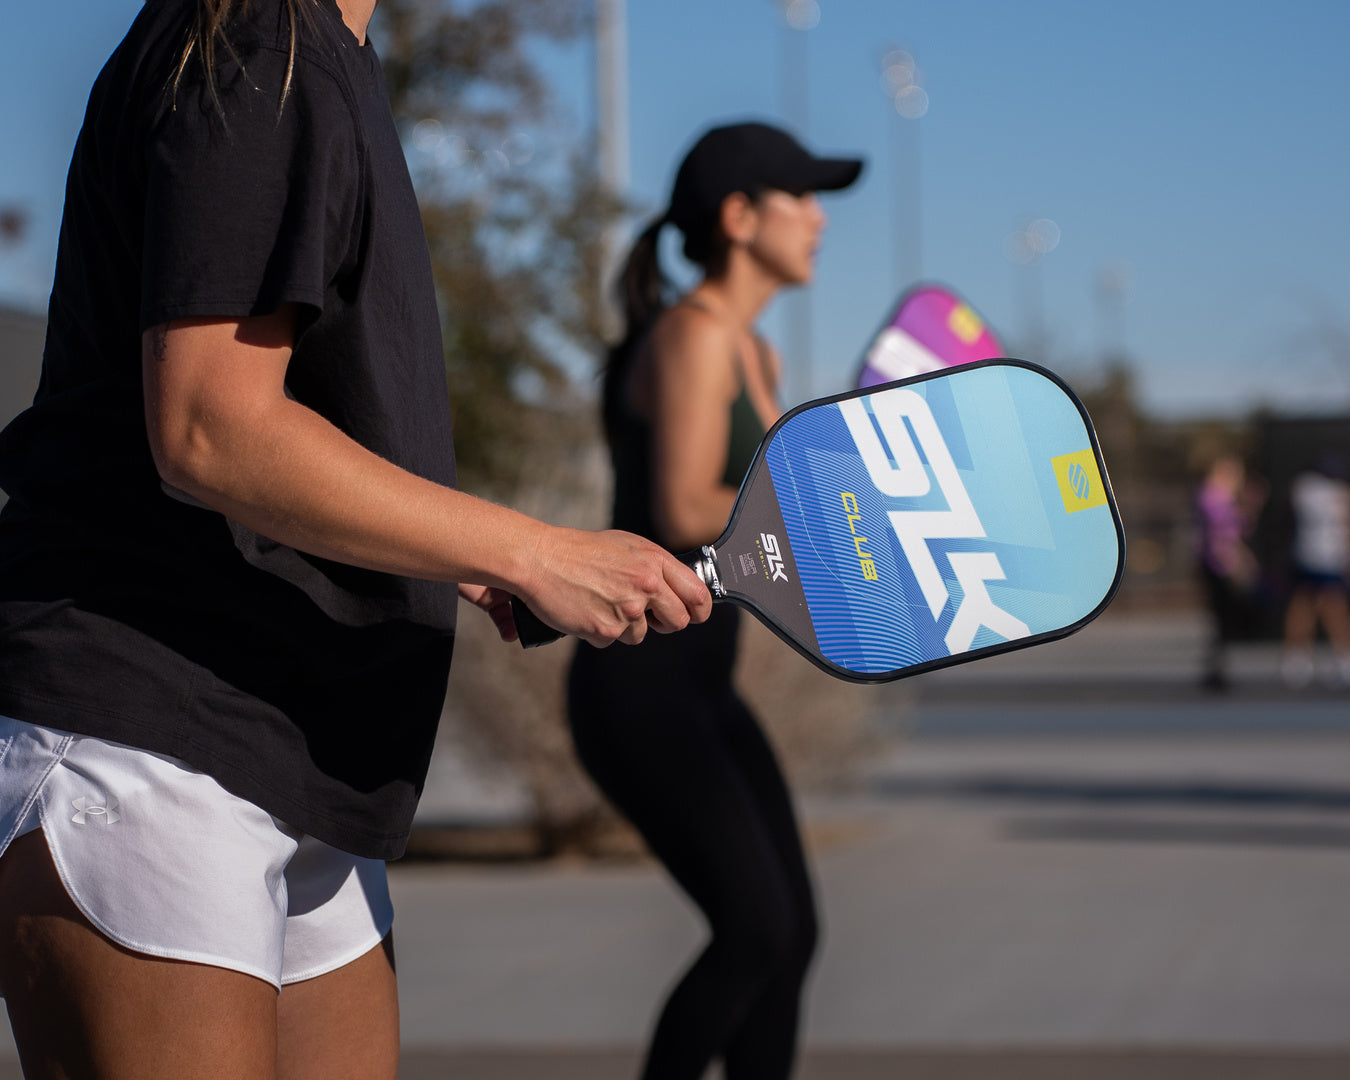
[[22, 335]]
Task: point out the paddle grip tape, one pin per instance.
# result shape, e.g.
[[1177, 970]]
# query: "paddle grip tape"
[[531, 629]]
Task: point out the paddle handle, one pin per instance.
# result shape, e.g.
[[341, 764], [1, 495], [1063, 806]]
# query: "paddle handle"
[[533, 631], [530, 628]]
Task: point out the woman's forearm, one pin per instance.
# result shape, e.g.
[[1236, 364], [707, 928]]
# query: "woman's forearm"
[[295, 478], [692, 517], [222, 430], [299, 481]]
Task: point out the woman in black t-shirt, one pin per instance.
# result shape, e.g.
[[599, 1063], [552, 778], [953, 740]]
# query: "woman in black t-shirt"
[[689, 393], [228, 558]]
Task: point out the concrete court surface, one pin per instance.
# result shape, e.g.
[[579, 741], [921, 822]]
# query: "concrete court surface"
[[1072, 866]]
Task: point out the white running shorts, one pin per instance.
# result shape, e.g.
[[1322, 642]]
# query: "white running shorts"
[[166, 862]]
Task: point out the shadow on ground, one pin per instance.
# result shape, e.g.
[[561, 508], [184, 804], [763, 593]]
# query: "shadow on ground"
[[918, 1064]]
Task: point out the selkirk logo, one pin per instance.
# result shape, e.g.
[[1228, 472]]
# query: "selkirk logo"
[[1079, 481], [774, 555]]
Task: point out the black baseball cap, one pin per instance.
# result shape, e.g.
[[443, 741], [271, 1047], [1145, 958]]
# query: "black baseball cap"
[[749, 157]]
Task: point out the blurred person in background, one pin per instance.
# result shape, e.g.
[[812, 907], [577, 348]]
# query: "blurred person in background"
[[688, 394], [228, 565], [1226, 506], [1320, 500]]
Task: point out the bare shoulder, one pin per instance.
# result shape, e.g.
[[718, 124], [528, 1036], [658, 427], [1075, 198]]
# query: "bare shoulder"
[[693, 345]]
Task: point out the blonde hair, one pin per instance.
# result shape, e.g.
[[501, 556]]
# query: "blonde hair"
[[208, 28]]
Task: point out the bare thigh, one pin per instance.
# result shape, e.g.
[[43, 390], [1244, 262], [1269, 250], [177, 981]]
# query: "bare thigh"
[[343, 1024], [84, 1008]]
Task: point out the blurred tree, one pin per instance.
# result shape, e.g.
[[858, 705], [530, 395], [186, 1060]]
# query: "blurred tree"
[[13, 225], [515, 217]]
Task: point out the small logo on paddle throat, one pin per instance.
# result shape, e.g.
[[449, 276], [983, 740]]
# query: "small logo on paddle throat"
[[87, 809], [774, 556]]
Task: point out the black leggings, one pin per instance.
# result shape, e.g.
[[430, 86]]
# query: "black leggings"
[[662, 732]]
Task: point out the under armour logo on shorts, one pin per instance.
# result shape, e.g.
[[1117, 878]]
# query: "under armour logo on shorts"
[[85, 809]]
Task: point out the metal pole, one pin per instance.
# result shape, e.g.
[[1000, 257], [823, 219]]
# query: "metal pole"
[[909, 100], [611, 108], [916, 201], [907, 244], [800, 381]]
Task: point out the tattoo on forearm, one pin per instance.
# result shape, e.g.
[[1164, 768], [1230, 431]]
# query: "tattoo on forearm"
[[160, 336]]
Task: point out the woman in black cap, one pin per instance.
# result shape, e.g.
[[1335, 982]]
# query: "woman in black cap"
[[688, 394]]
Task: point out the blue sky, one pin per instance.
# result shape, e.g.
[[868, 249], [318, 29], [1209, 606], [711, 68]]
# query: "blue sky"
[[1197, 151]]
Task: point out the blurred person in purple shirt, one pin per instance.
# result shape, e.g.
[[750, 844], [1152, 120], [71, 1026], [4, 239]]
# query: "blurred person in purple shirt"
[[1225, 508]]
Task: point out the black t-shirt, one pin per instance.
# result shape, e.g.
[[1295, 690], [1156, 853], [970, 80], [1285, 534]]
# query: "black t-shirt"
[[309, 687]]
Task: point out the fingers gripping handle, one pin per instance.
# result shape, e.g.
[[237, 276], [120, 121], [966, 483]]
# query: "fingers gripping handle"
[[533, 631], [530, 628]]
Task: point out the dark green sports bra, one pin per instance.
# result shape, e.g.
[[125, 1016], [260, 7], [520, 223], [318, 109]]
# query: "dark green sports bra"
[[630, 453], [746, 432]]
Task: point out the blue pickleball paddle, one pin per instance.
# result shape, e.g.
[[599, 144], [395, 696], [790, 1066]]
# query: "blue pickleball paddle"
[[919, 524]]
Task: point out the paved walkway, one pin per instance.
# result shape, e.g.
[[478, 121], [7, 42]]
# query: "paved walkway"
[[1074, 865], [919, 1064], [1070, 862], [564, 1063]]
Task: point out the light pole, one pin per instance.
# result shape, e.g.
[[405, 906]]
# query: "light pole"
[[1115, 286], [799, 17], [611, 136], [903, 84], [1027, 247]]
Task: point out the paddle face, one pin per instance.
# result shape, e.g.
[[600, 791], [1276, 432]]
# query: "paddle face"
[[960, 514], [932, 328]]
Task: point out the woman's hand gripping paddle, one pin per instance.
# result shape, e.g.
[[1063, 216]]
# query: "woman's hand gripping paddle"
[[919, 524]]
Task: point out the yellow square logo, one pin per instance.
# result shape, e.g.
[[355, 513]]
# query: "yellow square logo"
[[1080, 482], [965, 324]]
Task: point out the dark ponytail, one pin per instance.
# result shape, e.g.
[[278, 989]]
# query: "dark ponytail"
[[644, 292]]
